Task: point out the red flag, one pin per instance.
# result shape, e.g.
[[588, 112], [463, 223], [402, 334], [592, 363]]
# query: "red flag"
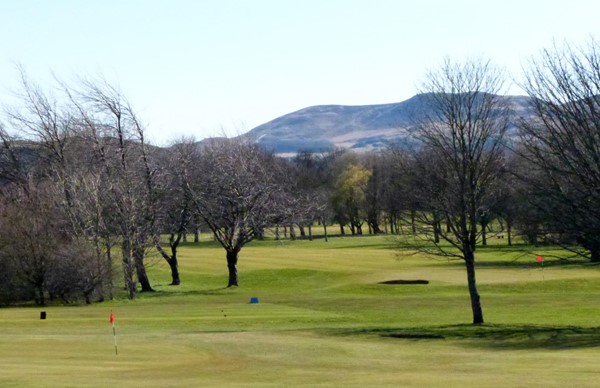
[[112, 318], [539, 258]]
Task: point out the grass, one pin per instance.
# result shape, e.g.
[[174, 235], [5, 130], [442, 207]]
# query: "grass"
[[323, 319]]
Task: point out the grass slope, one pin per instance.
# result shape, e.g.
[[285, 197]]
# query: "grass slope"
[[323, 319]]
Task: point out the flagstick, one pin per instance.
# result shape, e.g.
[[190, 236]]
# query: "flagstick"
[[112, 322], [543, 270], [115, 337], [540, 259]]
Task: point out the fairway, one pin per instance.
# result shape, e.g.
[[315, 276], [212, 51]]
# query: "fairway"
[[323, 318]]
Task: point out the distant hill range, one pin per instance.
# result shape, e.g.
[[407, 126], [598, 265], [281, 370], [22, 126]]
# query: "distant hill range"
[[359, 128]]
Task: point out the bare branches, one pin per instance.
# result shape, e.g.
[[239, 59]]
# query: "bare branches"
[[236, 193], [461, 155], [12, 168], [462, 143], [563, 143], [93, 147]]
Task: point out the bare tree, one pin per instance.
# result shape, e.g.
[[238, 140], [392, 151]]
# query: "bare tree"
[[116, 137], [461, 152], [90, 144], [37, 244], [237, 193], [398, 194], [54, 155], [176, 206], [307, 185], [563, 142], [13, 169], [31, 232]]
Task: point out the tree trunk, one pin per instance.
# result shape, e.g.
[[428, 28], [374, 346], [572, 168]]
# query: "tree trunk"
[[171, 259], [232, 259], [196, 235], [143, 277], [175, 280], [39, 292], [109, 261], [474, 294], [436, 232], [376, 228], [140, 269], [130, 284], [594, 248], [302, 231], [484, 233], [325, 231], [99, 259], [310, 236], [259, 233], [277, 232]]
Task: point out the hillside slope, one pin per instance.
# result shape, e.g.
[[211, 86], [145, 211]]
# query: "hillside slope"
[[354, 127]]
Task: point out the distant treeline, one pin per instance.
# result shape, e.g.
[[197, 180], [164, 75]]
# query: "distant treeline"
[[82, 190]]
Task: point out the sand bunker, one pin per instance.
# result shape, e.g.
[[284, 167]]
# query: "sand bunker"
[[419, 281]]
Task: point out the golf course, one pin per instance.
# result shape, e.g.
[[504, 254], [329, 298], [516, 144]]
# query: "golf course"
[[323, 318]]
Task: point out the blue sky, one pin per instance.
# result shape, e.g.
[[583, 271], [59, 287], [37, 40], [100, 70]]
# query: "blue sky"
[[206, 68]]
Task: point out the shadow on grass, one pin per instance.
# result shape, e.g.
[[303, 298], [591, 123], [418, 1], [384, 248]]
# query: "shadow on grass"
[[382, 245], [509, 337], [522, 263], [179, 293]]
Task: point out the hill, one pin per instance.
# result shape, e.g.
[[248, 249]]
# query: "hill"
[[361, 127]]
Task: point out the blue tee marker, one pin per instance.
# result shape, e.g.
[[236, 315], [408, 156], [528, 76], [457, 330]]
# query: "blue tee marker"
[[254, 300]]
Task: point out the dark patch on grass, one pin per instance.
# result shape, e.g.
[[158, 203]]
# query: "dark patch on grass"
[[399, 281], [502, 337], [532, 264], [363, 246], [180, 293], [414, 336]]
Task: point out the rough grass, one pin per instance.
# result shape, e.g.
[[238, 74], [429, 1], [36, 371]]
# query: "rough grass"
[[323, 319]]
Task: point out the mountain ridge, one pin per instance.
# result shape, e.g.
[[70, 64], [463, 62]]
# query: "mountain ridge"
[[358, 127]]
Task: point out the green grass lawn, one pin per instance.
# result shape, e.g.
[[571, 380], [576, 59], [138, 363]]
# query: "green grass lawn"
[[323, 319]]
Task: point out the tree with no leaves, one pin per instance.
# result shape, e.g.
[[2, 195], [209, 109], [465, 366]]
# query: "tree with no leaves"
[[236, 191], [176, 208], [461, 152], [563, 143], [122, 159]]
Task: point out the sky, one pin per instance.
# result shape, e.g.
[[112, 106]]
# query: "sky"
[[202, 68]]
